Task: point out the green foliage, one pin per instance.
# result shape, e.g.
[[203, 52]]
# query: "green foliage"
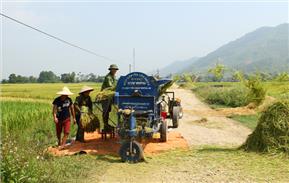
[[187, 80], [282, 77], [68, 77], [176, 78], [91, 78], [272, 131], [257, 90], [26, 129], [265, 76], [19, 162], [278, 90], [253, 91], [217, 71], [233, 97], [48, 77], [238, 76], [13, 78]]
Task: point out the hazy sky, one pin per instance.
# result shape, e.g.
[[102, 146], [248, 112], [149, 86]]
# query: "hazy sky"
[[160, 32]]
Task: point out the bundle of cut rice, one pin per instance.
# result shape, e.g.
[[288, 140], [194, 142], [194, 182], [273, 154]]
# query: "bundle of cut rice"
[[106, 94], [88, 120], [272, 131]]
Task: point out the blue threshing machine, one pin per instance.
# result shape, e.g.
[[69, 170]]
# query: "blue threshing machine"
[[144, 109]]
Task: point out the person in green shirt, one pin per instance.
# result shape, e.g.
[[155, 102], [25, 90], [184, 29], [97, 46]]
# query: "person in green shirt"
[[108, 83], [110, 79]]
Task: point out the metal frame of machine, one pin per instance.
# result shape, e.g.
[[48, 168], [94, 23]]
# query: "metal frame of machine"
[[141, 112]]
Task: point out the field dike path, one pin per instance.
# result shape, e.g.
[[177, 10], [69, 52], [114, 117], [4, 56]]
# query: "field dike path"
[[202, 125]]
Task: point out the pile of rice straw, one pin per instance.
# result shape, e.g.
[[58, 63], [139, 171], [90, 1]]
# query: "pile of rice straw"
[[272, 131]]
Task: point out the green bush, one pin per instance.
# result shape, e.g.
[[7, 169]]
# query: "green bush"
[[251, 90], [186, 80], [257, 91], [233, 97]]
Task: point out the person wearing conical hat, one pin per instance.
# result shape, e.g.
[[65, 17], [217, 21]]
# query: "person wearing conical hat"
[[108, 83], [82, 100], [62, 110]]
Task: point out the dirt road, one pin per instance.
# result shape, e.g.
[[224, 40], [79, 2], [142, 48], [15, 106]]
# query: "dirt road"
[[202, 125]]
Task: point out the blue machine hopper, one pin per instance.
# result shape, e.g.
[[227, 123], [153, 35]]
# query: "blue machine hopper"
[[139, 92]]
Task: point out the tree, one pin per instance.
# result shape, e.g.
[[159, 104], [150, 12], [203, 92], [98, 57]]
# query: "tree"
[[68, 77], [12, 78], [257, 91], [50, 77], [238, 76], [100, 79], [21, 79], [91, 77], [4, 81], [47, 77], [217, 71], [32, 79]]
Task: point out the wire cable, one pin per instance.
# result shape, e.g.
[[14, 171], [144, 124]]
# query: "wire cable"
[[57, 38]]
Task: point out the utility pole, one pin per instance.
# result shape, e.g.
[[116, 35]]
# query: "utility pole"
[[129, 68], [133, 59]]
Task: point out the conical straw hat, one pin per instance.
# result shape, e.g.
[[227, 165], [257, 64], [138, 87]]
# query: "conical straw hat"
[[64, 91], [85, 88]]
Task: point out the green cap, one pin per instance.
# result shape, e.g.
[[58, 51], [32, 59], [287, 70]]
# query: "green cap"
[[113, 67]]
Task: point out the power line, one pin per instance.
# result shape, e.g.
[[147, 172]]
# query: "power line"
[[57, 38]]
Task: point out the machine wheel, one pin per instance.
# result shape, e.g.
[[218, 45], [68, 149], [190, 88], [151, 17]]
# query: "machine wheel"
[[164, 131], [176, 116], [131, 151], [181, 112]]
